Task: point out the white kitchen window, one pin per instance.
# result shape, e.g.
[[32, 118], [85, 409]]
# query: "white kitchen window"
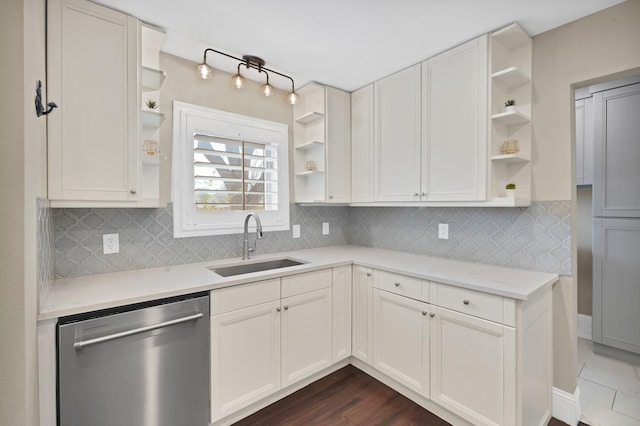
[[224, 166]]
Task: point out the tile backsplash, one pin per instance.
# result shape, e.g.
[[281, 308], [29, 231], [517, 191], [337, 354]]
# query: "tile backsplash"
[[537, 237]]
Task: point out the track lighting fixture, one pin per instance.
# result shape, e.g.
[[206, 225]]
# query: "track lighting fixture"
[[205, 72]]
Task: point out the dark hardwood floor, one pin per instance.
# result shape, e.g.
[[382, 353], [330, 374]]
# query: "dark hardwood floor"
[[347, 397]]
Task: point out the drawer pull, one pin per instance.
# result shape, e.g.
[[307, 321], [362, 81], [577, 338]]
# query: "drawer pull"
[[397, 284], [368, 274], [278, 309], [465, 301], [286, 308], [432, 314], [424, 313]]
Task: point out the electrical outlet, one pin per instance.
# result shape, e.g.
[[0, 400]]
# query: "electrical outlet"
[[325, 228], [443, 231], [296, 231], [110, 244]]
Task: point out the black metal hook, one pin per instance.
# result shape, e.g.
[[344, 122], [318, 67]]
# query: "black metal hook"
[[39, 107]]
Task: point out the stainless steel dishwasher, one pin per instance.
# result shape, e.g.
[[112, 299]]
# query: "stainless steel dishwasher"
[[140, 365]]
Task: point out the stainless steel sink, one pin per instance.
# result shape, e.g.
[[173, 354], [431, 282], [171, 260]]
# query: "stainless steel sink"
[[247, 268]]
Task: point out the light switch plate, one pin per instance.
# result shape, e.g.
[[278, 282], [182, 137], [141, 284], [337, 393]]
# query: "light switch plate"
[[296, 231], [110, 243], [325, 228], [443, 231]]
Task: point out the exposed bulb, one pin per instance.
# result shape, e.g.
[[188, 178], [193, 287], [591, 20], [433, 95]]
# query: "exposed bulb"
[[267, 90], [237, 81], [204, 71], [292, 98]]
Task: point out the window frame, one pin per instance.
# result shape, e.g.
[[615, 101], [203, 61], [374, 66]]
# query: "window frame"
[[189, 120]]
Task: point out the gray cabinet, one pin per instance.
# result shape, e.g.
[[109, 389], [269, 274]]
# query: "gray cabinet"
[[584, 141], [616, 189], [616, 283]]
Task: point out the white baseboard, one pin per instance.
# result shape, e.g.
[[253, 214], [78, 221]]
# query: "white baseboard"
[[584, 326], [566, 406]]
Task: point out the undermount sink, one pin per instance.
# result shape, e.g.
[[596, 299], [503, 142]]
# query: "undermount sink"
[[247, 268]]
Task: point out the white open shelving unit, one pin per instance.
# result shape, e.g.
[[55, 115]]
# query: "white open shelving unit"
[[510, 79]]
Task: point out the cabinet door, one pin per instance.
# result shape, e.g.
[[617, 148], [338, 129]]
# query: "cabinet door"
[[397, 136], [584, 141], [92, 75], [338, 146], [341, 292], [473, 367], [362, 321], [616, 288], [454, 126], [306, 335], [245, 357], [401, 339], [616, 186], [362, 145]]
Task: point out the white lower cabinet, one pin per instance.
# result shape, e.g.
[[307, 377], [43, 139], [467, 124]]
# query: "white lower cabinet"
[[362, 321], [306, 335], [401, 339], [473, 370], [341, 293]]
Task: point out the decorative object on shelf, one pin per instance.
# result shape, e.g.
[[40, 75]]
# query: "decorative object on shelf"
[[151, 104], [510, 147], [310, 166], [150, 147], [39, 107], [510, 105], [248, 61], [511, 190]]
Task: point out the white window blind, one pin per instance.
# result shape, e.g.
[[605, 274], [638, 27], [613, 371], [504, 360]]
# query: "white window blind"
[[233, 174]]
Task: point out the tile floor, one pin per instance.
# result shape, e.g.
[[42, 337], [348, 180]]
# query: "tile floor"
[[609, 389]]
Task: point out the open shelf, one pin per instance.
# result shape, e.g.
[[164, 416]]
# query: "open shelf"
[[510, 158], [151, 79], [511, 37], [310, 117], [309, 173], [511, 77], [309, 145], [152, 119], [511, 118]]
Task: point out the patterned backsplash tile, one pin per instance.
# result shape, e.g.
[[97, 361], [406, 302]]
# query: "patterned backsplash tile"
[[537, 237]]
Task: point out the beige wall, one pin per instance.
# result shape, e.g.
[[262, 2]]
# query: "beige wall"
[[182, 84], [22, 178], [584, 218], [596, 48]]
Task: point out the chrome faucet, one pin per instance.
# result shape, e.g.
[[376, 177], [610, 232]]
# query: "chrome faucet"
[[245, 247]]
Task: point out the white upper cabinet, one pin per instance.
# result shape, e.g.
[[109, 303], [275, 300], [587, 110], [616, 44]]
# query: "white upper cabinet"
[[454, 124], [362, 128], [397, 136], [95, 137], [322, 145], [92, 75]]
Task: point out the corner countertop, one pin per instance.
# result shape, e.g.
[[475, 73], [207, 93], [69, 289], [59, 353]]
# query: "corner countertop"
[[76, 295]]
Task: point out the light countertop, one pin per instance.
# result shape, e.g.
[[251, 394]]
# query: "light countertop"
[[70, 296]]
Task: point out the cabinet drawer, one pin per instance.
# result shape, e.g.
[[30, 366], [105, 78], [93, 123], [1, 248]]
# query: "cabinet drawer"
[[244, 295], [471, 302], [398, 284], [304, 283]]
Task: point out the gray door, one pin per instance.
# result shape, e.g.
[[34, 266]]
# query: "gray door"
[[616, 188], [616, 283]]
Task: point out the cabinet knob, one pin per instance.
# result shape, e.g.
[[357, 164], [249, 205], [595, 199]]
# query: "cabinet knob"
[[132, 191], [423, 194], [432, 314], [397, 284], [368, 274], [278, 309], [424, 313], [465, 301], [331, 197], [286, 308], [415, 194]]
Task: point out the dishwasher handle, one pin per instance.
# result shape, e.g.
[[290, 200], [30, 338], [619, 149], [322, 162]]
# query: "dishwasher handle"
[[83, 343]]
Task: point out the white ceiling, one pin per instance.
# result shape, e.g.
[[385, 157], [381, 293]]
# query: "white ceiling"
[[342, 43]]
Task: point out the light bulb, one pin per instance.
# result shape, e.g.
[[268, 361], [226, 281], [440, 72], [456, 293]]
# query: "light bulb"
[[267, 90], [204, 71], [292, 98], [238, 81]]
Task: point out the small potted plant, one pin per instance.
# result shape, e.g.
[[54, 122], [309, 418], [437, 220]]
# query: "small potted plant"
[[511, 190], [151, 104], [510, 105]]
